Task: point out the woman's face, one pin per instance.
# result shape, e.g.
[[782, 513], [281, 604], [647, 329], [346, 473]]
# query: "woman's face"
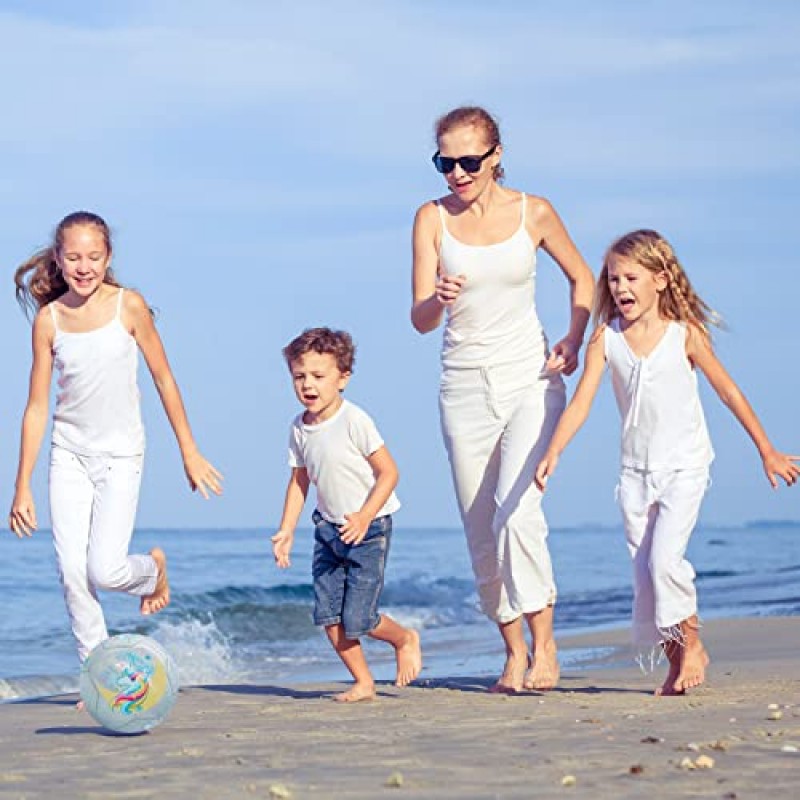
[[468, 140]]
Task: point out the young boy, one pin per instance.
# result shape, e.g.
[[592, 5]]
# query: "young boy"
[[336, 446]]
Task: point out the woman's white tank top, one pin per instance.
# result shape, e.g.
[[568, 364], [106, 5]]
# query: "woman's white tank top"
[[97, 403], [493, 321], [663, 425]]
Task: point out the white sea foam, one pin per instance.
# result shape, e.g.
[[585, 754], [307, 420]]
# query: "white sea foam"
[[202, 653]]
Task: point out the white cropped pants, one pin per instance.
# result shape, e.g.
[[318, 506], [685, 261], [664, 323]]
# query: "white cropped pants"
[[497, 423], [93, 503], [659, 511]]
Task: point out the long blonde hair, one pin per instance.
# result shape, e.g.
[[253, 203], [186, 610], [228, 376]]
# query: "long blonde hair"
[[39, 280], [678, 301]]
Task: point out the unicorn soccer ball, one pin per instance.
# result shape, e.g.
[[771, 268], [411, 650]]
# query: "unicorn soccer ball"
[[129, 683]]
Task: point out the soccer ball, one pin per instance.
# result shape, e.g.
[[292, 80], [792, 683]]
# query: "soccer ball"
[[129, 683]]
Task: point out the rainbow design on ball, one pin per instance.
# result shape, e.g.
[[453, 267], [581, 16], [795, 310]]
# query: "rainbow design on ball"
[[133, 697]]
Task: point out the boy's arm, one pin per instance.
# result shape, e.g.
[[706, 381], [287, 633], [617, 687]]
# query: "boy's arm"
[[296, 492], [701, 353], [578, 409], [386, 476]]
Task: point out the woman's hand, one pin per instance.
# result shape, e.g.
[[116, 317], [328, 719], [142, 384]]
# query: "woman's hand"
[[448, 288], [564, 356]]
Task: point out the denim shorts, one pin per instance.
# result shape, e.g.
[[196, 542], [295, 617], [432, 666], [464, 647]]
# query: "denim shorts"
[[348, 578]]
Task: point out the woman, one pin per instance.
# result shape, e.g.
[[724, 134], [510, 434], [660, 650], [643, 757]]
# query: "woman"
[[501, 391]]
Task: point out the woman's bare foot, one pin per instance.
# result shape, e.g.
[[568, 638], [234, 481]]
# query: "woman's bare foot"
[[357, 693], [159, 599], [510, 682], [409, 659], [545, 672]]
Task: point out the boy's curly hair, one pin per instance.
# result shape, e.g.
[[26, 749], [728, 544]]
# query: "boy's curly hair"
[[338, 344]]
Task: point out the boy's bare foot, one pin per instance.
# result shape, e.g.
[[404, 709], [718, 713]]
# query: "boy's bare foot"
[[409, 659], [510, 682], [159, 599], [545, 672], [357, 693], [694, 661]]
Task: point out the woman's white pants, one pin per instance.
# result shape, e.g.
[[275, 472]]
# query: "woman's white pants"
[[497, 423], [93, 503], [659, 511]]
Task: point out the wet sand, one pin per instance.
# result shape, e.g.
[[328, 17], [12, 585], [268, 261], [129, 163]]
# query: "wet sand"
[[601, 734]]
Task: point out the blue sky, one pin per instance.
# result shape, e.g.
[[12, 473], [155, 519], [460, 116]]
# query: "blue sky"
[[261, 163]]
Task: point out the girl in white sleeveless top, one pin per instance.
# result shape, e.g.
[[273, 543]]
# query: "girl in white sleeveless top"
[[91, 330], [501, 391], [652, 334]]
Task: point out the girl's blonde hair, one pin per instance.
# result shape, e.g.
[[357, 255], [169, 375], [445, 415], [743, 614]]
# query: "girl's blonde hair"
[[39, 280], [678, 301]]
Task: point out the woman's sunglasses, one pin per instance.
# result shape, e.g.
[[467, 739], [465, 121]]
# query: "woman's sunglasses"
[[471, 164]]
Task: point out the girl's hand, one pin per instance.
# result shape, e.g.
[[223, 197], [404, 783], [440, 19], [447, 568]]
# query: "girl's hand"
[[281, 548], [202, 476], [564, 357], [355, 529], [448, 288], [22, 517], [780, 465], [547, 466]]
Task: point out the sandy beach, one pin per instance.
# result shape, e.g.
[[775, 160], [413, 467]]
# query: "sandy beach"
[[600, 734]]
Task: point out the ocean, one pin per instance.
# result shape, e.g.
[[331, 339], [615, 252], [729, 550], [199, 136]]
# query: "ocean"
[[236, 618]]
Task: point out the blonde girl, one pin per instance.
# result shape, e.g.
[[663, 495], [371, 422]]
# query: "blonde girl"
[[653, 333], [90, 328]]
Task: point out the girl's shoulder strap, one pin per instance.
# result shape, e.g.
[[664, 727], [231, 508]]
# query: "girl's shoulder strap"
[[119, 303], [52, 306]]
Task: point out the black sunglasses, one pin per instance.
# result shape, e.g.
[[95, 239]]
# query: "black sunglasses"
[[471, 164]]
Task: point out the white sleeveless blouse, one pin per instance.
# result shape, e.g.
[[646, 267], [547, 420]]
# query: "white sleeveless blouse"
[[663, 425]]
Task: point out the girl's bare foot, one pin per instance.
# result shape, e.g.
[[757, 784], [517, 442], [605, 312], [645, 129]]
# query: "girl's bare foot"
[[545, 672], [159, 599], [694, 661], [357, 693], [409, 659], [673, 653], [510, 682]]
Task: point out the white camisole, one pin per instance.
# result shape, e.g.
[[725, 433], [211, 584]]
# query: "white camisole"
[[493, 321], [97, 403]]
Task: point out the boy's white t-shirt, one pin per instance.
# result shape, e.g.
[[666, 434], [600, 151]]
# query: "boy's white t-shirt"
[[334, 453]]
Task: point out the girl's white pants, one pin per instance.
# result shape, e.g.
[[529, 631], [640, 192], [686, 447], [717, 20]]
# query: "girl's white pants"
[[92, 508], [497, 423], [659, 511]]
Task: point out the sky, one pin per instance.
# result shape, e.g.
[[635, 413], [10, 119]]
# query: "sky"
[[260, 164]]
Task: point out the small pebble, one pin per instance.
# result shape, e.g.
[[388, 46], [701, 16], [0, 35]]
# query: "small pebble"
[[569, 780], [395, 780], [704, 762], [789, 748], [279, 792], [636, 769], [652, 740], [775, 715], [687, 763], [773, 707]]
